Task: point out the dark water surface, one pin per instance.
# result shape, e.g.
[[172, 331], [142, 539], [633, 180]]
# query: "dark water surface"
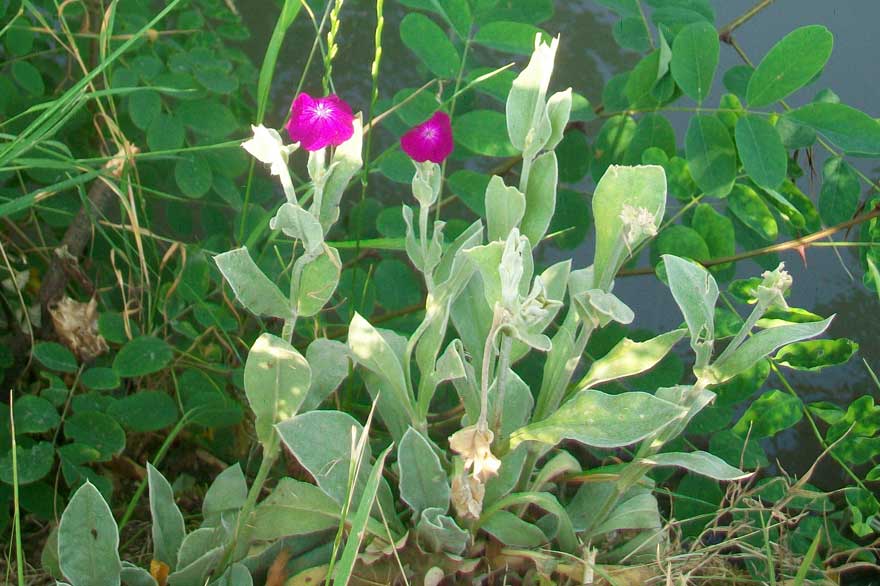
[[587, 57]]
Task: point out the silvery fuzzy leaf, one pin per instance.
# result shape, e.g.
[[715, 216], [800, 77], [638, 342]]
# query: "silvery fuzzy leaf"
[[235, 575], [526, 101], [276, 381], [318, 279], [298, 223], [508, 476], [228, 492], [452, 261], [640, 187], [696, 292], [423, 483], [88, 540], [559, 110], [601, 308], [600, 420], [540, 197], [251, 286], [702, 463], [438, 532], [133, 575], [413, 248], [334, 359], [168, 529], [505, 207], [628, 358], [761, 345], [371, 351], [345, 163]]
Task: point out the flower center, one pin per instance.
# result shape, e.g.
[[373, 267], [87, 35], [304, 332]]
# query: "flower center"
[[429, 134], [321, 111]]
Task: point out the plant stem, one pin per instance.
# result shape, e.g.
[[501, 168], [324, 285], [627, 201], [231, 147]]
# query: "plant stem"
[[782, 246], [482, 422], [242, 530], [726, 30]]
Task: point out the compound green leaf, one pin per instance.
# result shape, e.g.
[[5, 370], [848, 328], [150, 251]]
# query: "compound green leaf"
[[789, 65], [695, 53], [430, 44], [853, 131], [141, 356], [761, 151], [711, 155], [839, 196]]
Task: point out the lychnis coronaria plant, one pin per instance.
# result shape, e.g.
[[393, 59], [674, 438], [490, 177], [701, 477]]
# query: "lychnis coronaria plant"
[[424, 498]]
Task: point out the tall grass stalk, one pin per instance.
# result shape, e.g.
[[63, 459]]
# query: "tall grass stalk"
[[19, 552]]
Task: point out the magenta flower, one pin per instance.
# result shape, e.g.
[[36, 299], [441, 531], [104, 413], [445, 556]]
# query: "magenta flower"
[[429, 141], [318, 122]]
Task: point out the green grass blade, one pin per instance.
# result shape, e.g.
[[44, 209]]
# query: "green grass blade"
[[801, 576], [359, 522]]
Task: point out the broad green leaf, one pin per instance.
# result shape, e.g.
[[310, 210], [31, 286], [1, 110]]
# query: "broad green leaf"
[[513, 531], [853, 131], [628, 358], [360, 521], [653, 130], [696, 292], [88, 540], [276, 380], [702, 463], [483, 132], [298, 508], [761, 151], [143, 107], [641, 82], [696, 499], [396, 284], [679, 240], [769, 414], [470, 187], [456, 12], [34, 414], [141, 356], [100, 378], [600, 420], [168, 529], [96, 430], [638, 511], [145, 411], [695, 53], [631, 33], [762, 344], [717, 231], [612, 143], [423, 483], [814, 355], [34, 463], [318, 280], [841, 189], [711, 155], [540, 197], [505, 207], [251, 286], [509, 37], [789, 65], [29, 79], [640, 187], [748, 207], [571, 220], [193, 176], [736, 80], [430, 44], [54, 356], [208, 118], [166, 133]]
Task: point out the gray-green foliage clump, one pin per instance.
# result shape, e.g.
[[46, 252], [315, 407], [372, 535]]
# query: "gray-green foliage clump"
[[499, 474]]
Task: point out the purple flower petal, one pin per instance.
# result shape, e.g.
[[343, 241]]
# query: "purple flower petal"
[[318, 122], [429, 141]]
